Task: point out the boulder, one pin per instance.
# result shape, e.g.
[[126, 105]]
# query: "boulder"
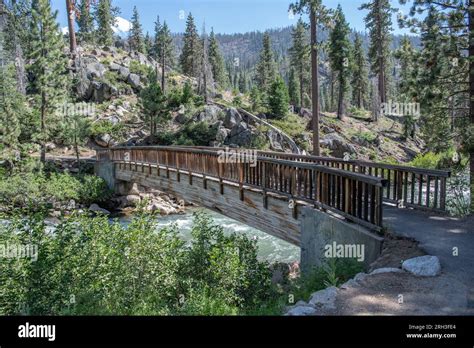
[[232, 118], [95, 70], [124, 73], [222, 134], [96, 209], [114, 66], [337, 145], [324, 299], [134, 81], [209, 114], [276, 140], [238, 128], [306, 113], [104, 140], [425, 266]]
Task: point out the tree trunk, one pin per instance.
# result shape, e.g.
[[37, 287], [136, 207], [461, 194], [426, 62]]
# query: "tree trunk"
[[471, 95], [301, 87], [70, 24], [163, 71], [340, 101], [43, 128], [315, 82]]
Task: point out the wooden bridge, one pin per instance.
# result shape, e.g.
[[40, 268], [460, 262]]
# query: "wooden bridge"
[[268, 190]]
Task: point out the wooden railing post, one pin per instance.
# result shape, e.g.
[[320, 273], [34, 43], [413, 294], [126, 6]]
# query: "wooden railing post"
[[241, 180]]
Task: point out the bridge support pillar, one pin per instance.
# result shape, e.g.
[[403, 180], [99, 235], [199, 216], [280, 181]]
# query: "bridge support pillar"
[[324, 237], [106, 170]]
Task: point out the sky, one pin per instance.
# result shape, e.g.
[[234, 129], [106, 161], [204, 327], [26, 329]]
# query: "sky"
[[228, 16]]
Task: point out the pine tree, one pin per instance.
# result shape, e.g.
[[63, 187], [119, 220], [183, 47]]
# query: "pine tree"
[[205, 80], [137, 42], [105, 17], [266, 67], [294, 90], [17, 16], [360, 76], [85, 22], [148, 43], [75, 131], [48, 66], [153, 104], [318, 15], [243, 83], [156, 44], [191, 54], [299, 55], [165, 50], [408, 84], [12, 109], [339, 54], [278, 99], [379, 23], [217, 61]]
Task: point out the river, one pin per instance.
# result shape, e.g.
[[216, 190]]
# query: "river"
[[270, 248]]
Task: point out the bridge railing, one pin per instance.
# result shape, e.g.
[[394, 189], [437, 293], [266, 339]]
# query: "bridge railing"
[[418, 188], [357, 197]]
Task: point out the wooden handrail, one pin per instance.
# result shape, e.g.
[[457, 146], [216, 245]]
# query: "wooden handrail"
[[355, 196]]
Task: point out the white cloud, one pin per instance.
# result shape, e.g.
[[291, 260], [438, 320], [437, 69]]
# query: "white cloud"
[[65, 30], [122, 26]]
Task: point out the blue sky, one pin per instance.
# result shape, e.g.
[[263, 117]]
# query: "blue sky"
[[228, 16]]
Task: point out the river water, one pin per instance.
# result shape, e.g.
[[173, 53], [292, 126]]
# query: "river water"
[[270, 248]]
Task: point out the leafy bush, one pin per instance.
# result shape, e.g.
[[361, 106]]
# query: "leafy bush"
[[36, 192], [91, 266], [428, 160], [290, 124], [140, 69], [197, 134]]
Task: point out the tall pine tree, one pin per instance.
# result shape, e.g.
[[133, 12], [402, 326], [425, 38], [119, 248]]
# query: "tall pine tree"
[[48, 67], [299, 57], [266, 67], [190, 55], [379, 23], [339, 55], [360, 76], [318, 14], [217, 62], [85, 22], [105, 17], [137, 41], [165, 50]]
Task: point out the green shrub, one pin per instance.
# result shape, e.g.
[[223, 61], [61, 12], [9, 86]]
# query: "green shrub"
[[197, 134], [91, 266], [428, 160], [140, 69]]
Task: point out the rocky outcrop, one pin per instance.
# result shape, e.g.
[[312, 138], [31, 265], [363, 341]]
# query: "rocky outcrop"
[[232, 118], [337, 145]]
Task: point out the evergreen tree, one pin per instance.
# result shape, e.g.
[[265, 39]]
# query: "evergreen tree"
[[242, 83], [360, 77], [85, 22], [278, 99], [318, 14], [105, 17], [408, 86], [191, 54], [266, 68], [153, 105], [137, 41], [17, 15], [165, 50], [148, 42], [205, 80], [12, 109], [75, 131], [156, 44], [217, 61], [48, 66], [379, 23], [339, 54], [294, 90], [299, 55]]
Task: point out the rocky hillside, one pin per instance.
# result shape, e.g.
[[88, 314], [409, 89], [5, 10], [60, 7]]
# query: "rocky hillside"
[[111, 78]]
